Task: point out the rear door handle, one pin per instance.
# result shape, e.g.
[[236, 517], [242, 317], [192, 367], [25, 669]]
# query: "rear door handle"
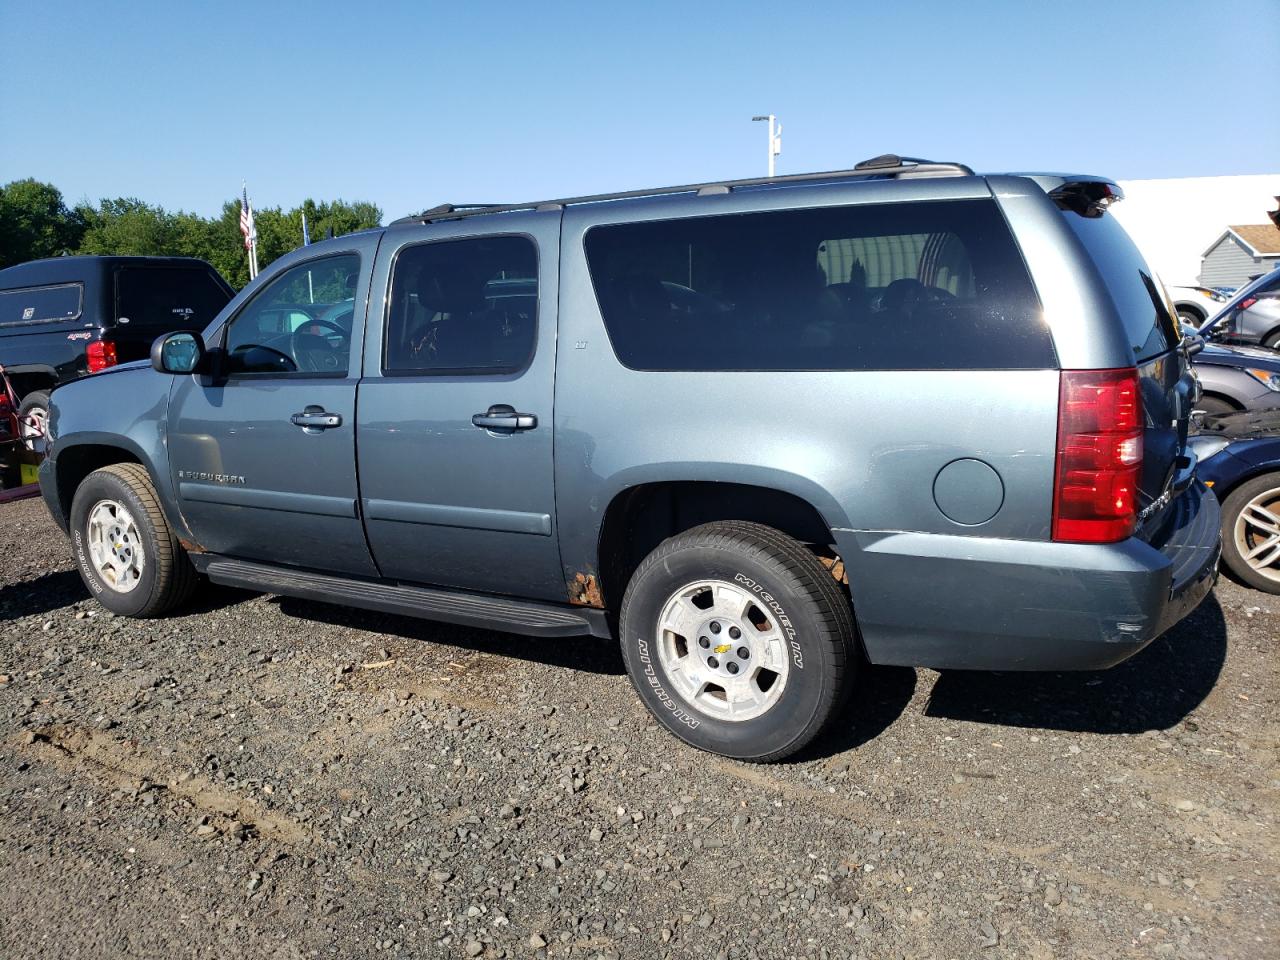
[[314, 419], [502, 416]]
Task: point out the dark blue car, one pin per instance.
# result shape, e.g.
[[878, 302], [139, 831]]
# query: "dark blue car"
[[1240, 461]]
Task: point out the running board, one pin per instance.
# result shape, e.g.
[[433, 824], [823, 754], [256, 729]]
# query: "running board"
[[470, 609]]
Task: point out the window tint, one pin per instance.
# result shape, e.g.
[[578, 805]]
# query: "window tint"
[[34, 304], [301, 322], [172, 298], [921, 285], [463, 306], [1147, 320]]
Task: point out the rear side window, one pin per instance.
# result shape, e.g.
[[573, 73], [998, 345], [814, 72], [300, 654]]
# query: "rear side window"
[[463, 306], [170, 298], [40, 304], [910, 286], [1147, 321]]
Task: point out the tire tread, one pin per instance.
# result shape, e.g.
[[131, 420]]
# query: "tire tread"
[[175, 576], [836, 613]]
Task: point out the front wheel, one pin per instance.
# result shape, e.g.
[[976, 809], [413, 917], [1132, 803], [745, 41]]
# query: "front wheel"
[[1251, 532], [128, 555], [738, 640]]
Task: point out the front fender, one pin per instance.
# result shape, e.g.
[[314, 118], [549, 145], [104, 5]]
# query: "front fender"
[[126, 411]]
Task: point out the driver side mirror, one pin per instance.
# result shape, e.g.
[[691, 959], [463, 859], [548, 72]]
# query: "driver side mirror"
[[181, 352]]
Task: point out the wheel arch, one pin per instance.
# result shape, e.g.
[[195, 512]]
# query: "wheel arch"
[[640, 517], [77, 460], [30, 378], [1188, 307], [1225, 398]]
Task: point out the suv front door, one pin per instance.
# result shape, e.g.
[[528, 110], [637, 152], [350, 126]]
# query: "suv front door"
[[263, 450], [455, 413]]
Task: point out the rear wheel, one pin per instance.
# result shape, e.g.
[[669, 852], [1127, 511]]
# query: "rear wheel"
[[1251, 532], [128, 555], [33, 421], [738, 640]]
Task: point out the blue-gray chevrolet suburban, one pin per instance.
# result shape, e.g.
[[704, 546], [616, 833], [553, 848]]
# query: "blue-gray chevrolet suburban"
[[758, 432]]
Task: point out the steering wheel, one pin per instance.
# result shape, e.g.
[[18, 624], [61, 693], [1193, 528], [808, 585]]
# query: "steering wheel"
[[317, 352]]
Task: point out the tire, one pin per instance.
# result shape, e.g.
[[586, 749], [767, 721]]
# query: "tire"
[[789, 615], [1272, 341], [1240, 536], [1212, 406], [1190, 317], [151, 573], [33, 420]]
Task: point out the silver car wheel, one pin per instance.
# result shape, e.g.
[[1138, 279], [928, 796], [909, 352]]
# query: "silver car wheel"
[[724, 652], [33, 428], [1257, 534], [115, 546]]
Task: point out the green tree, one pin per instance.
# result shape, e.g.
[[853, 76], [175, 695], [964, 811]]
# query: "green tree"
[[35, 222], [128, 227]]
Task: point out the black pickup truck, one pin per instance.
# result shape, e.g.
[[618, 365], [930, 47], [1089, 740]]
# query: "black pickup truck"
[[66, 317]]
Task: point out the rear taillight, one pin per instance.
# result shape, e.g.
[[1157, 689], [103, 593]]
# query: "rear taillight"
[[101, 354], [1246, 303], [1095, 497]]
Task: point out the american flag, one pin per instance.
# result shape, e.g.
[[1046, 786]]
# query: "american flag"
[[246, 220]]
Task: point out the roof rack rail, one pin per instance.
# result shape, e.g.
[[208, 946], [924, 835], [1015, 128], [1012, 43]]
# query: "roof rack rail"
[[886, 165]]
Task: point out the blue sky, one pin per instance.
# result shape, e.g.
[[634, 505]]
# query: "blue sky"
[[411, 104]]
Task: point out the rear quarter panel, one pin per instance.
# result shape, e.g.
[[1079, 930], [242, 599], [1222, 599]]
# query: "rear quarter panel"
[[863, 448]]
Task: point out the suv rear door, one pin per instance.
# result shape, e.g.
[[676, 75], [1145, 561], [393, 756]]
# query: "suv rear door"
[[455, 418], [1152, 332]]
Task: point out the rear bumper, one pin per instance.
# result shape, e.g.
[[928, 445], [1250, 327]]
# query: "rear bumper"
[[972, 603]]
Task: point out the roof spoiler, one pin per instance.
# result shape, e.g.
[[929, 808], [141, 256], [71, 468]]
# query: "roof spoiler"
[[1087, 196]]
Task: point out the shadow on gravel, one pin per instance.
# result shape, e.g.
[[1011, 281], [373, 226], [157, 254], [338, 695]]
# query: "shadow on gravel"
[[590, 654], [1152, 691], [880, 694], [41, 595]]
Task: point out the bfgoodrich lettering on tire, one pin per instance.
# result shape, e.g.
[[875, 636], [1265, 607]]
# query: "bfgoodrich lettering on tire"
[[738, 640], [128, 556]]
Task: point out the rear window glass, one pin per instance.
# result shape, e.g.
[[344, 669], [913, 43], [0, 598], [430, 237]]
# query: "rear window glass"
[[36, 304], [909, 286], [175, 298], [463, 306], [1136, 293]]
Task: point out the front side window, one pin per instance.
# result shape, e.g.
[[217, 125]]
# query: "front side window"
[[168, 298], [300, 323], [925, 285], [40, 304], [463, 307]]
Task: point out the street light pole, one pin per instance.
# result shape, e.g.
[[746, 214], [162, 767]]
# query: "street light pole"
[[775, 139]]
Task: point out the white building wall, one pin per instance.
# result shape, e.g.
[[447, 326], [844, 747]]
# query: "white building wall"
[[1175, 221]]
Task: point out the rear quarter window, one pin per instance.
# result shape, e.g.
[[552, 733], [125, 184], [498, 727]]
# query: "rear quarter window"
[[40, 304], [924, 285], [176, 298], [1148, 324]]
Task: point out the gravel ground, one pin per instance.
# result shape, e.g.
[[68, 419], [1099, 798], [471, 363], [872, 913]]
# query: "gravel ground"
[[270, 778]]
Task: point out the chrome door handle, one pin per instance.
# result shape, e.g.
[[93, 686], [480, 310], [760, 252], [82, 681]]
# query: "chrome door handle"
[[316, 418], [502, 416]]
